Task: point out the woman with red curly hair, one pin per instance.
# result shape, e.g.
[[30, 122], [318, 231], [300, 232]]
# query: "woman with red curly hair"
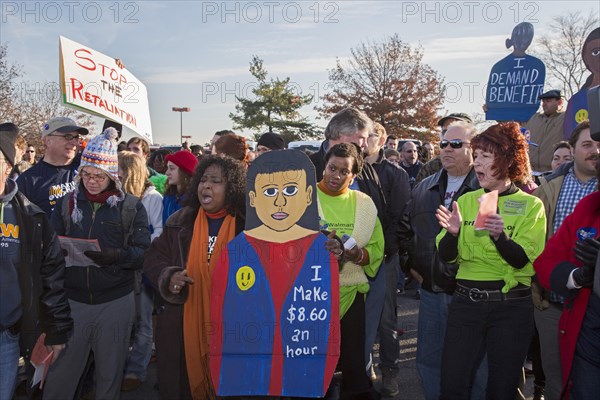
[[491, 312]]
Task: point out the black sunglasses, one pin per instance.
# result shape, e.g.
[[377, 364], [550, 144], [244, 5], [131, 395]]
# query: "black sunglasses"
[[68, 137], [454, 143]]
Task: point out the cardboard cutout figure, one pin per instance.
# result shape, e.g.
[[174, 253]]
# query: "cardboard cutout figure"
[[516, 81], [577, 109], [275, 291]]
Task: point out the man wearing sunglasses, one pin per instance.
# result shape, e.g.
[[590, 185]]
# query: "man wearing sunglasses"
[[52, 177], [418, 230], [434, 165], [29, 155]]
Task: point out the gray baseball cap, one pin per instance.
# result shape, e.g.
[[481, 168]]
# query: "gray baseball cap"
[[63, 125]]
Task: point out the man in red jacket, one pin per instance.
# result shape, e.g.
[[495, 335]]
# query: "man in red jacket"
[[567, 266]]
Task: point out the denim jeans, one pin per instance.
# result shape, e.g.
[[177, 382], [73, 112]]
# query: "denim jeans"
[[389, 347], [373, 309], [547, 325], [433, 315], [139, 356], [500, 329], [586, 363], [9, 363]]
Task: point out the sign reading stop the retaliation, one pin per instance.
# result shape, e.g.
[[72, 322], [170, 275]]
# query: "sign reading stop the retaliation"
[[92, 82]]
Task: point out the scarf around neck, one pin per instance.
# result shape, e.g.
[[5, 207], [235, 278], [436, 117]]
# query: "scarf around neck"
[[196, 310]]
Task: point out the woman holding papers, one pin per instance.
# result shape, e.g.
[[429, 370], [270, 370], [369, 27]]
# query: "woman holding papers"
[[179, 263], [100, 285], [491, 312]]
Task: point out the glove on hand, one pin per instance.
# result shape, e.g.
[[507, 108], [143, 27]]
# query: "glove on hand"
[[586, 252]]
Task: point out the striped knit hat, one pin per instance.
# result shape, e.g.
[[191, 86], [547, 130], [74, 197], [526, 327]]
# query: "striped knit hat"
[[101, 152]]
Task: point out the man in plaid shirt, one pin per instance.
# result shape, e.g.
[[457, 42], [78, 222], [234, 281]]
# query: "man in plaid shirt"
[[560, 193]]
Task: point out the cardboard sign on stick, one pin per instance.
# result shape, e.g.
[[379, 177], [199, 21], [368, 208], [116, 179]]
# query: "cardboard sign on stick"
[[92, 82], [516, 81], [275, 302]]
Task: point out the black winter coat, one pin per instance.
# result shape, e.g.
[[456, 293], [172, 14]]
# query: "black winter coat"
[[41, 279], [94, 285], [419, 229], [168, 254]]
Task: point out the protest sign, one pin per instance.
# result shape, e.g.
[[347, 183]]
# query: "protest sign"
[[577, 109], [275, 300], [92, 82], [516, 81]]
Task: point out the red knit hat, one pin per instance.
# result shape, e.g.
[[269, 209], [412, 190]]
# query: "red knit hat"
[[185, 160]]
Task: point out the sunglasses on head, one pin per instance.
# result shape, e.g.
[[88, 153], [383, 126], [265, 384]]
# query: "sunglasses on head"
[[454, 143]]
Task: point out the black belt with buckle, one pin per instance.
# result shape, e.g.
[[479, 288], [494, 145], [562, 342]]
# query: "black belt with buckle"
[[476, 295]]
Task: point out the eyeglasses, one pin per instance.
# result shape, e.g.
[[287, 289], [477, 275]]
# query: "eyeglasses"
[[68, 137], [454, 143], [86, 176]]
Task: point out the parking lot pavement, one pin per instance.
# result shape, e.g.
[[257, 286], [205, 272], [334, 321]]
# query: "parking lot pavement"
[[408, 379]]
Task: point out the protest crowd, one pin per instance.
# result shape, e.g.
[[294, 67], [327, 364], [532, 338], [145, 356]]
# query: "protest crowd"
[[114, 256]]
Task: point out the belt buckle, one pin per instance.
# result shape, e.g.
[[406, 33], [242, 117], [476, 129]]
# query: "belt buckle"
[[474, 291]]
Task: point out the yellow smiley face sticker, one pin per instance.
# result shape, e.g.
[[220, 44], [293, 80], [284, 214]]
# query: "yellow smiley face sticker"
[[245, 278], [581, 115]]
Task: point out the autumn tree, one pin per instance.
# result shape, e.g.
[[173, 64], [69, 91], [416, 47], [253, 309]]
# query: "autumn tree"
[[29, 105], [389, 81], [560, 50], [275, 108]]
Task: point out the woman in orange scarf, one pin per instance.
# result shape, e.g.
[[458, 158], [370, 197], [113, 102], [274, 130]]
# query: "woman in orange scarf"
[[179, 264]]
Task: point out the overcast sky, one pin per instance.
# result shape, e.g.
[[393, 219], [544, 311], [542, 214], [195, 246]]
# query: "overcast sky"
[[196, 54]]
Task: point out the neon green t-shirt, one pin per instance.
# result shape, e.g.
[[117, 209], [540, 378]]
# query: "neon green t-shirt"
[[524, 222], [339, 213]]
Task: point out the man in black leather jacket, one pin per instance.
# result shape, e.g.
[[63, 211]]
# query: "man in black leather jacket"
[[353, 126], [32, 268], [396, 188]]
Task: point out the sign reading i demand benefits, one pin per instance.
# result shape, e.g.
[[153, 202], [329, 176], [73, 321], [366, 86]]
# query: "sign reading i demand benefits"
[[516, 81], [92, 82], [275, 301]]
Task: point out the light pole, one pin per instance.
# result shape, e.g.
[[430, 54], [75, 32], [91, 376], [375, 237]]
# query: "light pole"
[[181, 110]]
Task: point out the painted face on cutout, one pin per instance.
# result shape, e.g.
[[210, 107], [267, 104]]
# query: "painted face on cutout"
[[281, 198]]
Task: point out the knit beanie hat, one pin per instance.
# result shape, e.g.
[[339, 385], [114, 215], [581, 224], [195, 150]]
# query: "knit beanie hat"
[[101, 153], [272, 140], [185, 160]]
